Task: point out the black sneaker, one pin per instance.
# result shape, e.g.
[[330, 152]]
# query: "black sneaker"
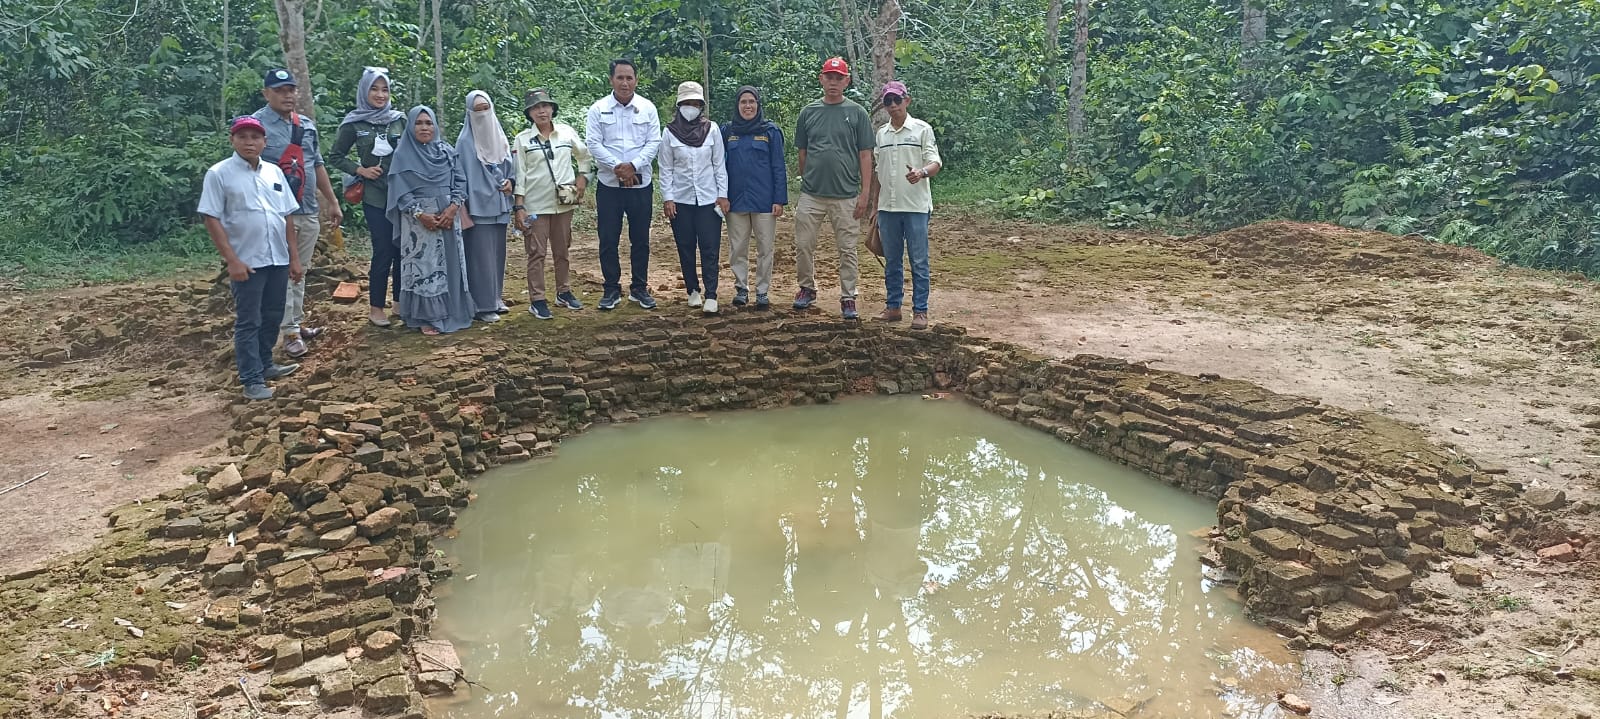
[[540, 310], [642, 297], [609, 301], [741, 298], [762, 302], [568, 300], [847, 308], [804, 298]]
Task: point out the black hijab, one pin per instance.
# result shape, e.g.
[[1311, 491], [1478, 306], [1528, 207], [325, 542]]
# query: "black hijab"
[[689, 133], [740, 126]]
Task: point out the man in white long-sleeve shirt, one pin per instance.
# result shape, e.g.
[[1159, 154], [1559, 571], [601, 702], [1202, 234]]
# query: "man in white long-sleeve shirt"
[[623, 132]]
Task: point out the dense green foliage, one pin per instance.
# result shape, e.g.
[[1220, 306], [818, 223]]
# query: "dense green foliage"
[[1471, 121]]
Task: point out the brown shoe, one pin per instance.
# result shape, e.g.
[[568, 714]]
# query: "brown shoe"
[[889, 314], [919, 320]]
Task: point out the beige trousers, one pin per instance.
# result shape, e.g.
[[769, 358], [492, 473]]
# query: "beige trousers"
[[808, 218], [306, 229], [549, 235], [741, 225]]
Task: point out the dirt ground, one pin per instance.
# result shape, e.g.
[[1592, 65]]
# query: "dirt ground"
[[1498, 363]]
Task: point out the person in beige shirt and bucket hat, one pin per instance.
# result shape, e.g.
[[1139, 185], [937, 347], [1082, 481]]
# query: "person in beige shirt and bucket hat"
[[552, 168]]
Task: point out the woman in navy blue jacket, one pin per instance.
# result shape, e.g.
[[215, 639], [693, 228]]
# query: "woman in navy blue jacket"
[[758, 188]]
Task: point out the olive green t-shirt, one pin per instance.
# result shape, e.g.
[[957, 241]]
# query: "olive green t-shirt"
[[832, 136]]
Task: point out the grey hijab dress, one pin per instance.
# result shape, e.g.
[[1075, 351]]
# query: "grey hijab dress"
[[425, 178], [483, 157]]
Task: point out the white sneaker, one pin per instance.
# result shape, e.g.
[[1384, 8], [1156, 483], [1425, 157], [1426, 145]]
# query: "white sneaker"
[[711, 307], [694, 299]]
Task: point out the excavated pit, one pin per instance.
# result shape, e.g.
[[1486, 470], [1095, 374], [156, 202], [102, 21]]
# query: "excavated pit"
[[315, 554], [894, 556]]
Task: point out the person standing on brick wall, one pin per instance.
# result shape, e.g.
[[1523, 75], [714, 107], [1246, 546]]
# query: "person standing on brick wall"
[[834, 138], [245, 203]]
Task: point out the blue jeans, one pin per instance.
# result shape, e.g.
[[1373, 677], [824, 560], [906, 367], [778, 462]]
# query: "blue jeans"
[[611, 205], [697, 227], [905, 233], [257, 310]]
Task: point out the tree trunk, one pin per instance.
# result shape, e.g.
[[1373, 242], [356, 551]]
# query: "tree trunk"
[[884, 32], [705, 60], [438, 57], [422, 38], [222, 93], [292, 36], [1253, 31], [849, 20], [1052, 50], [1080, 65]]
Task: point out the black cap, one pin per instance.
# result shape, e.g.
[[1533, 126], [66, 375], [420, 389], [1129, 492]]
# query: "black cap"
[[278, 77]]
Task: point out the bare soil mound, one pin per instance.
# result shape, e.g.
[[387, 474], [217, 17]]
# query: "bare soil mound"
[[1323, 249]]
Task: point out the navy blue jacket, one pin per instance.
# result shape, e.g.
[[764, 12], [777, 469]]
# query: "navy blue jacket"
[[757, 178]]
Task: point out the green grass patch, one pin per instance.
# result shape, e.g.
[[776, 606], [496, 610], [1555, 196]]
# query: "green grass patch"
[[976, 192], [37, 264]]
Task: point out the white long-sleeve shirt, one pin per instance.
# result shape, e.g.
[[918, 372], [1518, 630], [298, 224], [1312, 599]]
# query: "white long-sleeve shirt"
[[619, 134], [693, 175]]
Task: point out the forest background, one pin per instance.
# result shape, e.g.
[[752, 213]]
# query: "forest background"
[[1472, 122]]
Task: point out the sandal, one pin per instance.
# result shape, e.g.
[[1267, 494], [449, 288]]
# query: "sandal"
[[430, 331]]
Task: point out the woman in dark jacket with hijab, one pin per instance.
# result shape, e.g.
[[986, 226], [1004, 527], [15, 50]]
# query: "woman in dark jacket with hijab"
[[484, 157], [372, 130], [426, 194], [758, 188]]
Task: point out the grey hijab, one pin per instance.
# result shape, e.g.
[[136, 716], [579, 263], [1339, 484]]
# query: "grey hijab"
[[482, 137], [365, 112], [419, 170]]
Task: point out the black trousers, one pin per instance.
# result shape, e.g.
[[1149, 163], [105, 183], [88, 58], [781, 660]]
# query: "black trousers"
[[611, 204], [698, 228]]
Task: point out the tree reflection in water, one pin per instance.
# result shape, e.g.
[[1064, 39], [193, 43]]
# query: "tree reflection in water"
[[878, 559]]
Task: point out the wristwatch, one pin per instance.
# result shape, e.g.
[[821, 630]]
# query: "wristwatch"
[[517, 208], [924, 172]]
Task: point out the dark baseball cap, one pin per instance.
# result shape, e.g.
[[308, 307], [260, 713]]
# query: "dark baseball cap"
[[278, 77]]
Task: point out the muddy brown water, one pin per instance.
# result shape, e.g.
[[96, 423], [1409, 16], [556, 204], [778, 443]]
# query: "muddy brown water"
[[892, 557]]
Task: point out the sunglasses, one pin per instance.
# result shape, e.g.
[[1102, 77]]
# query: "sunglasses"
[[893, 99]]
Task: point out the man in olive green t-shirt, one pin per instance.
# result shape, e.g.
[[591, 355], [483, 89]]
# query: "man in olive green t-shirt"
[[835, 139]]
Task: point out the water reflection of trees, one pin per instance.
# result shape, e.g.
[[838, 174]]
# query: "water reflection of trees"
[[878, 572]]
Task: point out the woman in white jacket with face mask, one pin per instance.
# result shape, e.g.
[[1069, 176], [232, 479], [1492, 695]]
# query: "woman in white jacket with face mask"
[[694, 193]]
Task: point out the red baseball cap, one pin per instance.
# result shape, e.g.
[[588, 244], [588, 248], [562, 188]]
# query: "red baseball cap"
[[835, 65], [246, 122]]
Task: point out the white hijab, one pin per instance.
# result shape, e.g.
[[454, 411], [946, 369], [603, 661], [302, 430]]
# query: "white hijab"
[[488, 137]]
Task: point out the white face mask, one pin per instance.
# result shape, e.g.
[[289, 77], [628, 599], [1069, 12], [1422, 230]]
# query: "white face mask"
[[381, 146], [690, 112]]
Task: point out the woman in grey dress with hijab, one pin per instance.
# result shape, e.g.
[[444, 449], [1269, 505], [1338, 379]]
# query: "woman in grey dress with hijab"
[[426, 193], [484, 156]]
